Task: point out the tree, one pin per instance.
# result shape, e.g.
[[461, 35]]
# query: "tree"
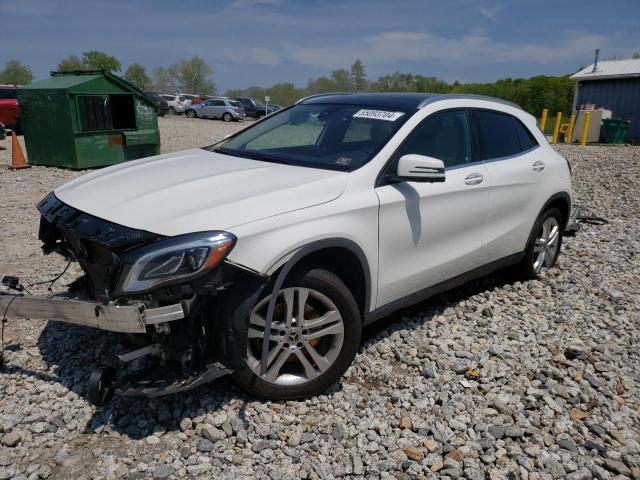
[[94, 60], [16, 74], [164, 80], [358, 76], [635, 55], [91, 60], [195, 76], [137, 75], [341, 79], [70, 64]]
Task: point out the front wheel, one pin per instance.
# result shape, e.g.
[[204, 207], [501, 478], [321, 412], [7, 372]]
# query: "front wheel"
[[191, 114], [315, 334], [544, 245]]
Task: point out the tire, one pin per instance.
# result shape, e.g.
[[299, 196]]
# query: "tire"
[[336, 350], [259, 116], [227, 117], [537, 257], [191, 114], [172, 111]]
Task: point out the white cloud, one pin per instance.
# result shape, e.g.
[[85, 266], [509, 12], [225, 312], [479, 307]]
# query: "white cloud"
[[471, 49]]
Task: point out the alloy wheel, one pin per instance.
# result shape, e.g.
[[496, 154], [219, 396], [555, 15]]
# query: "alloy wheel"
[[546, 245], [307, 333]]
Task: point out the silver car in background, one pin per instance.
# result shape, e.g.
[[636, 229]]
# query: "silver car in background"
[[221, 108]]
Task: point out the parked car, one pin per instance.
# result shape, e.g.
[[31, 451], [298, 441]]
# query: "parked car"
[[187, 98], [269, 251], [176, 103], [224, 109], [9, 108], [255, 109], [160, 103]]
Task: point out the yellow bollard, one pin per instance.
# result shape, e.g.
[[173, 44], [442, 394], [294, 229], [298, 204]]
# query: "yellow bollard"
[[543, 119], [569, 132], [585, 128], [556, 128]]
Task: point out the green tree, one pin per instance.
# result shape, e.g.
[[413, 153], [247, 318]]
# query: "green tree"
[[194, 76], [137, 75], [164, 80], [71, 64], [16, 73], [95, 60], [358, 76], [635, 55], [342, 80]]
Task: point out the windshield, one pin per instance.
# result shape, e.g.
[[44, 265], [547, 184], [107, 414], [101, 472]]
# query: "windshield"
[[8, 93], [336, 137]]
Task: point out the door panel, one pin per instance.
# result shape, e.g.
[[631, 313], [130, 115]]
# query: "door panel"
[[518, 171], [430, 232]]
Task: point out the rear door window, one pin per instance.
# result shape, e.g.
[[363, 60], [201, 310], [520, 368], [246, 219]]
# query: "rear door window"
[[498, 135]]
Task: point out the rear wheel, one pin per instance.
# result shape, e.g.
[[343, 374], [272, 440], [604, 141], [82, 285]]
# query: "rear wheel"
[[227, 117], [315, 334], [191, 114], [259, 115], [544, 245]]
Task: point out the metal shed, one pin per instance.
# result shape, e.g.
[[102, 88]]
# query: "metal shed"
[[613, 85], [87, 119]]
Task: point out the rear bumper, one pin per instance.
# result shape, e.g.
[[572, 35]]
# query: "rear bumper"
[[70, 309]]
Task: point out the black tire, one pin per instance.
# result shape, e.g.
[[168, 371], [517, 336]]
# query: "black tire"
[[259, 115], [525, 268], [334, 288], [172, 111], [191, 114], [227, 117]]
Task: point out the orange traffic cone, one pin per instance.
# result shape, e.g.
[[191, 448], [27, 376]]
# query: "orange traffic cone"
[[17, 157]]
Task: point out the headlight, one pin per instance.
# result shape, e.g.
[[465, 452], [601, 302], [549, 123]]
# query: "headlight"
[[174, 259]]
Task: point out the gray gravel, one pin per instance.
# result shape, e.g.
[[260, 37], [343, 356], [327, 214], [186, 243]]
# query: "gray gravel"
[[554, 391]]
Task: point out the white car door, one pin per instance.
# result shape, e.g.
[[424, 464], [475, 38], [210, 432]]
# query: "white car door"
[[431, 232], [518, 170]]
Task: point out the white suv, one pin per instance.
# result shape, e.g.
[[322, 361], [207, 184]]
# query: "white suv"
[[269, 251]]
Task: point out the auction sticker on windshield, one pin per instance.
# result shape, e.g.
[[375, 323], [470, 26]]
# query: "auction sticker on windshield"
[[378, 115]]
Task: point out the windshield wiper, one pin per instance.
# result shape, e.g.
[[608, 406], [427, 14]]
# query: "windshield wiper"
[[253, 156]]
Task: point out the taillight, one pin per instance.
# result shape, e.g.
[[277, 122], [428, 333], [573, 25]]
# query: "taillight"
[[237, 109]]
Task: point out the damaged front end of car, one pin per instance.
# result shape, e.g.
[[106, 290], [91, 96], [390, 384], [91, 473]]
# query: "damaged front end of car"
[[176, 300]]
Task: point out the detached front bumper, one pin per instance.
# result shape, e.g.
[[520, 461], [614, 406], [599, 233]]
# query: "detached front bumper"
[[67, 308]]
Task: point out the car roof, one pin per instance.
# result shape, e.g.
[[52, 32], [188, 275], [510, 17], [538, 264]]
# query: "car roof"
[[396, 100]]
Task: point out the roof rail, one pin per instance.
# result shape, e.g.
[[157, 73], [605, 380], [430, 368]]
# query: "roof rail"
[[464, 96], [323, 95]]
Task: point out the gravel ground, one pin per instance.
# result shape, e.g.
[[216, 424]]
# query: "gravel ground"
[[553, 391]]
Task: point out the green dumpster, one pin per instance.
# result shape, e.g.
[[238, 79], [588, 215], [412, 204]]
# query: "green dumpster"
[[613, 130], [87, 119]]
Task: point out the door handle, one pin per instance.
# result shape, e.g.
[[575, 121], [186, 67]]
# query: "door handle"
[[538, 166], [473, 178]]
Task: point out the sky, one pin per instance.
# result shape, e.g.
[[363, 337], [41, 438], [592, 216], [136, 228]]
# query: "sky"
[[262, 42]]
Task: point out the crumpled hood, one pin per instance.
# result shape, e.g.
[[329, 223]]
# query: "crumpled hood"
[[197, 190]]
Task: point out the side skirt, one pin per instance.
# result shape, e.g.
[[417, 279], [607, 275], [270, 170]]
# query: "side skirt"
[[425, 293]]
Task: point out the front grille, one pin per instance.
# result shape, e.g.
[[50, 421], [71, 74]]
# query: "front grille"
[[97, 244]]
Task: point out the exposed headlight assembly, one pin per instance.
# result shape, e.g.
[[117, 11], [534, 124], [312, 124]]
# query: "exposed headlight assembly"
[[174, 259]]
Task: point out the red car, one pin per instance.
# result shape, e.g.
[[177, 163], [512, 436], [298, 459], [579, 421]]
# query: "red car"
[[9, 108]]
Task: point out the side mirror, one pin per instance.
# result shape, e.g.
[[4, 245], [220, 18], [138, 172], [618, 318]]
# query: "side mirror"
[[419, 168]]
